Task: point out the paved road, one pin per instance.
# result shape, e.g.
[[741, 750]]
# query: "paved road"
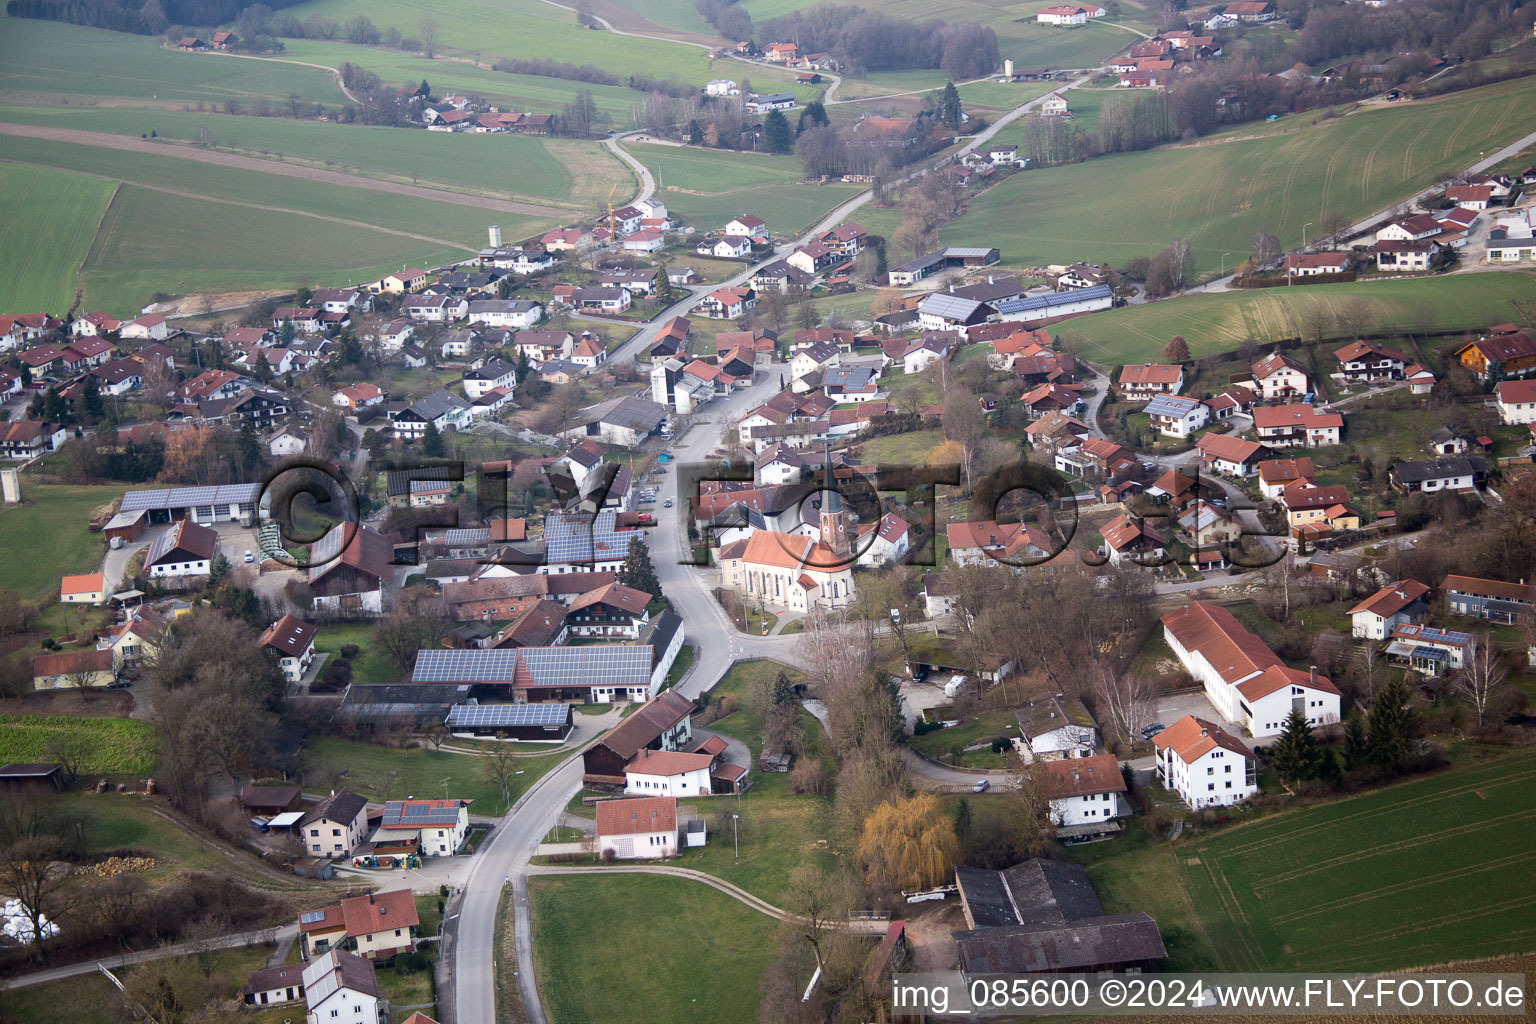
[[284, 934], [647, 181]]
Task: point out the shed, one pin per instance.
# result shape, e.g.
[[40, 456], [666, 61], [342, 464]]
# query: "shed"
[[18, 777], [127, 525]]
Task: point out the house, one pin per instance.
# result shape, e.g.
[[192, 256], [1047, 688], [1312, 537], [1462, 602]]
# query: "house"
[[151, 326], [1049, 398], [1427, 650], [1057, 727], [185, 549], [88, 589], [356, 397], [136, 638], [1204, 764], [1444, 441], [1236, 399], [935, 346], [292, 641], [645, 240], [846, 240], [73, 669], [1228, 455], [727, 247], [602, 299], [721, 87], [1138, 383], [1306, 502], [728, 303], [496, 373], [1310, 426], [1315, 264], [408, 280], [886, 541], [28, 439], [941, 311], [514, 313], [441, 408], [1470, 197], [1397, 604], [435, 309], [1127, 537], [435, 828], [381, 924], [1177, 416], [1054, 105], [84, 353], [273, 985], [1084, 791], [637, 829], [1516, 400], [1421, 380], [1209, 530], [669, 773], [1494, 600], [1275, 475], [1448, 473], [336, 826], [1065, 15], [663, 723], [1278, 376], [610, 610], [349, 568], [303, 319], [1245, 681], [589, 351], [1403, 256], [747, 226], [981, 542], [271, 800], [391, 337], [90, 325], [520, 261], [1505, 351], [1362, 361]]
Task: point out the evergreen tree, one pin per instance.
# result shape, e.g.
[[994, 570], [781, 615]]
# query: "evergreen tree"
[[1357, 745], [91, 397], [53, 405], [1391, 725], [696, 134], [777, 134], [637, 571], [949, 105], [1294, 755], [286, 333], [963, 824], [663, 287], [248, 447], [1328, 769], [522, 366], [432, 445], [263, 367], [783, 690], [813, 116], [349, 350], [26, 376]]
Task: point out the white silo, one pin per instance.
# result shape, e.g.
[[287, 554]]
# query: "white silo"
[[495, 234], [1008, 70]]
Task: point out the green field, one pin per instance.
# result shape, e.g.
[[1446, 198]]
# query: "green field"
[[385, 773], [371, 665], [645, 949], [55, 62], [47, 536], [47, 221], [714, 170], [1228, 190], [678, 14], [1221, 321], [109, 746], [1419, 873], [503, 166], [722, 184]]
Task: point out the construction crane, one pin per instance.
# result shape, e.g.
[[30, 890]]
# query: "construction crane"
[[612, 230]]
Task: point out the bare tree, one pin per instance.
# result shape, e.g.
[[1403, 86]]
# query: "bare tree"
[[498, 766], [1265, 248], [426, 31], [31, 848], [1127, 698], [1481, 682], [68, 750]]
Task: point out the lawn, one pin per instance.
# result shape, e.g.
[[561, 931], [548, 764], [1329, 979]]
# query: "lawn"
[[1228, 190], [715, 171], [515, 167], [370, 665], [1220, 322], [47, 536], [68, 62], [1418, 873], [910, 449], [47, 221], [129, 822], [385, 773], [979, 728], [595, 964], [109, 746]]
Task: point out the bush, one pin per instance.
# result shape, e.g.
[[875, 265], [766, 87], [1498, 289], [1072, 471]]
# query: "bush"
[[923, 728], [809, 778], [410, 963], [349, 651]]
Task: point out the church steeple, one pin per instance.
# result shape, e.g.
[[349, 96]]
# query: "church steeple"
[[834, 527]]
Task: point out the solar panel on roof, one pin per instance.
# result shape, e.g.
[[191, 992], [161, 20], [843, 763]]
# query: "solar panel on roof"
[[507, 715], [311, 916]]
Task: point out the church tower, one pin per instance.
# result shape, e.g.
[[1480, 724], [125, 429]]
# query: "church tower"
[[834, 525]]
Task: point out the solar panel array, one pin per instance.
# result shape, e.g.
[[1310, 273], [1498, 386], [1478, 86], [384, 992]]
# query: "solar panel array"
[[311, 916], [420, 814], [466, 538], [588, 666], [464, 666], [328, 548], [507, 715], [191, 497], [576, 537]]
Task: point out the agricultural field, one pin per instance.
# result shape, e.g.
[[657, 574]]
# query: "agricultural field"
[[109, 746], [385, 773], [714, 171], [47, 221], [1231, 189], [47, 536], [676, 14], [501, 166], [55, 62], [1418, 873], [1221, 321], [591, 967]]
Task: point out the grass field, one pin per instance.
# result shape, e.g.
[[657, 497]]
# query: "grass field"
[[47, 221], [1221, 321], [110, 746], [384, 773], [503, 166], [371, 664], [645, 949], [1230, 189], [58, 61], [1419, 873], [47, 536]]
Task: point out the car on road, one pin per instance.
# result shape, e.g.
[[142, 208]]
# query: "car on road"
[[1148, 731], [667, 503], [250, 556], [645, 517], [982, 786]]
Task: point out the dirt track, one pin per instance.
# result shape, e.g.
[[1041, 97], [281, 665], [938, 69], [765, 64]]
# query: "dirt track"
[[185, 151]]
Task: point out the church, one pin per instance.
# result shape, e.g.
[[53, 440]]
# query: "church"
[[793, 572]]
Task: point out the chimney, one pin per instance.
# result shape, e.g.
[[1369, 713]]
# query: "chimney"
[[370, 899], [1314, 677], [1202, 732]]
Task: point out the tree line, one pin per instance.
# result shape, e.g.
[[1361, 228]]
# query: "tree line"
[[140, 17]]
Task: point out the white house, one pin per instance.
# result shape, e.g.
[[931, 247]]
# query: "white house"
[[646, 240], [668, 773], [748, 226], [1066, 15], [1396, 604], [151, 326], [884, 542], [336, 826], [1083, 790], [292, 642], [1204, 764], [514, 313], [341, 987], [1177, 416], [721, 87], [441, 408], [497, 373], [391, 337], [727, 247], [440, 825], [1279, 376], [434, 309], [1057, 727], [1245, 681], [185, 549], [637, 829], [1516, 400]]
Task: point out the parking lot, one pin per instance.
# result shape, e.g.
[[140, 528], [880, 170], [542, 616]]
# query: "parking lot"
[[1174, 706]]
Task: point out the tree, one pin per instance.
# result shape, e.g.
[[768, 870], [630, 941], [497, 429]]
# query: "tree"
[[695, 133], [1294, 756], [154, 17], [287, 331], [1265, 248], [908, 844], [33, 839], [419, 619], [68, 750], [963, 422], [426, 31], [1177, 350], [1480, 684], [1391, 725], [1130, 698], [664, 295], [963, 822], [91, 397], [637, 570], [263, 367], [813, 116], [1356, 742], [499, 766], [777, 134], [1334, 224], [949, 106], [432, 445]]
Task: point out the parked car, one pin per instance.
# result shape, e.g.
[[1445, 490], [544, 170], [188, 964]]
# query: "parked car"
[[250, 556], [1148, 731], [667, 503], [982, 786]]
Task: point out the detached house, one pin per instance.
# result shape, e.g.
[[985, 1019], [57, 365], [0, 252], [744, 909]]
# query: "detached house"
[[336, 826], [377, 925], [186, 549], [1397, 604], [1177, 416], [1278, 376], [727, 303], [1282, 426], [1516, 401], [1204, 764], [1139, 383], [434, 828], [1494, 600], [637, 829], [340, 987], [1083, 792], [1505, 351], [1448, 473], [1231, 456], [292, 642], [1362, 361]]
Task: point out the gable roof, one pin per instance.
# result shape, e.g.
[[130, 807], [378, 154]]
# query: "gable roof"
[[637, 816], [1228, 448], [1274, 363], [288, 635], [1216, 635], [653, 718], [1392, 598], [343, 805], [1151, 373], [90, 583], [1082, 776]]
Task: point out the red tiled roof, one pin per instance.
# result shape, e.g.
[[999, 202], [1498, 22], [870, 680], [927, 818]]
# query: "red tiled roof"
[[90, 583], [1215, 633], [1151, 373], [667, 762], [1190, 738], [1278, 677], [1082, 776], [632, 817], [376, 912], [1392, 598]]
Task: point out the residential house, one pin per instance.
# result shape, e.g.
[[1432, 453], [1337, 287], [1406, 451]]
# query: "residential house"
[[391, 337], [1275, 475], [496, 373], [985, 541], [273, 985], [935, 346], [303, 319], [1397, 604], [1057, 727], [669, 773], [1128, 537], [1448, 473], [292, 642], [1427, 650], [1177, 416], [88, 589], [845, 240], [1066, 15], [1277, 376], [1315, 264], [748, 226], [645, 240], [728, 303], [519, 261], [1470, 197], [813, 258], [1209, 531], [1505, 351], [1204, 764], [1308, 503], [1138, 383], [1403, 256], [357, 397], [441, 408], [1363, 361], [1049, 398], [1284, 426], [1421, 380], [405, 282], [662, 723], [28, 439], [1444, 441], [288, 441], [436, 828], [572, 239], [73, 669], [514, 313], [602, 299], [1414, 228], [727, 247], [771, 101], [184, 549], [336, 826], [1516, 400], [637, 829], [151, 326], [589, 352], [609, 610], [1494, 600], [541, 347], [340, 986], [1084, 791], [435, 309]]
